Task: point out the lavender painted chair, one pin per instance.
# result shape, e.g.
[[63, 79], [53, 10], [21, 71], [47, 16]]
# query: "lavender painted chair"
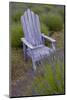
[[33, 41]]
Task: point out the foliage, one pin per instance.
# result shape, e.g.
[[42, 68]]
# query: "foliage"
[[37, 9], [48, 7], [43, 17], [49, 20], [59, 36], [16, 17], [16, 34], [54, 22], [61, 12], [44, 29], [50, 78]]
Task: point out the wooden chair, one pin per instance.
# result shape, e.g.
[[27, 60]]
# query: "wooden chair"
[[33, 41]]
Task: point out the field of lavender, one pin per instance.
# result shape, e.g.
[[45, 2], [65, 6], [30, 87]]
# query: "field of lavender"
[[49, 76]]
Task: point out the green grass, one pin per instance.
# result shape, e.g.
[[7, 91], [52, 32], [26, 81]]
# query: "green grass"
[[42, 17], [61, 12], [50, 80], [16, 34], [48, 8], [44, 29], [54, 22], [37, 9], [17, 17]]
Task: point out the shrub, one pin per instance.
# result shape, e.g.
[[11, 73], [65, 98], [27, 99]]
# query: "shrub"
[[61, 12], [50, 77], [44, 29], [37, 9], [16, 34], [54, 22], [48, 7], [42, 17], [16, 17]]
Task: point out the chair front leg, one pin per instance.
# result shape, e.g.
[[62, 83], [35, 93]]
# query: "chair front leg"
[[34, 65], [33, 61], [53, 45], [25, 51]]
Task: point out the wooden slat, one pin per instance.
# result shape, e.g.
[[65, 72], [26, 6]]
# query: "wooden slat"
[[32, 38], [24, 27], [48, 38], [28, 29], [26, 43], [38, 28], [31, 27], [36, 33], [30, 21], [29, 45], [34, 28], [38, 23]]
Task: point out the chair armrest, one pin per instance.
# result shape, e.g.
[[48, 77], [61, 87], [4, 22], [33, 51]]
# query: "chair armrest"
[[53, 42], [26, 43], [48, 38], [29, 45]]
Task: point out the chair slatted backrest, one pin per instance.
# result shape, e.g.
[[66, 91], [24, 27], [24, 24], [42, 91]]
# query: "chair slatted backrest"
[[31, 27]]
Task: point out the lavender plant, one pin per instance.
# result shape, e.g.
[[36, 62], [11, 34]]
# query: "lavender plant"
[[50, 76]]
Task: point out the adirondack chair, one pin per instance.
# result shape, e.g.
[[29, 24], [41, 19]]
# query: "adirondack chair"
[[33, 41]]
